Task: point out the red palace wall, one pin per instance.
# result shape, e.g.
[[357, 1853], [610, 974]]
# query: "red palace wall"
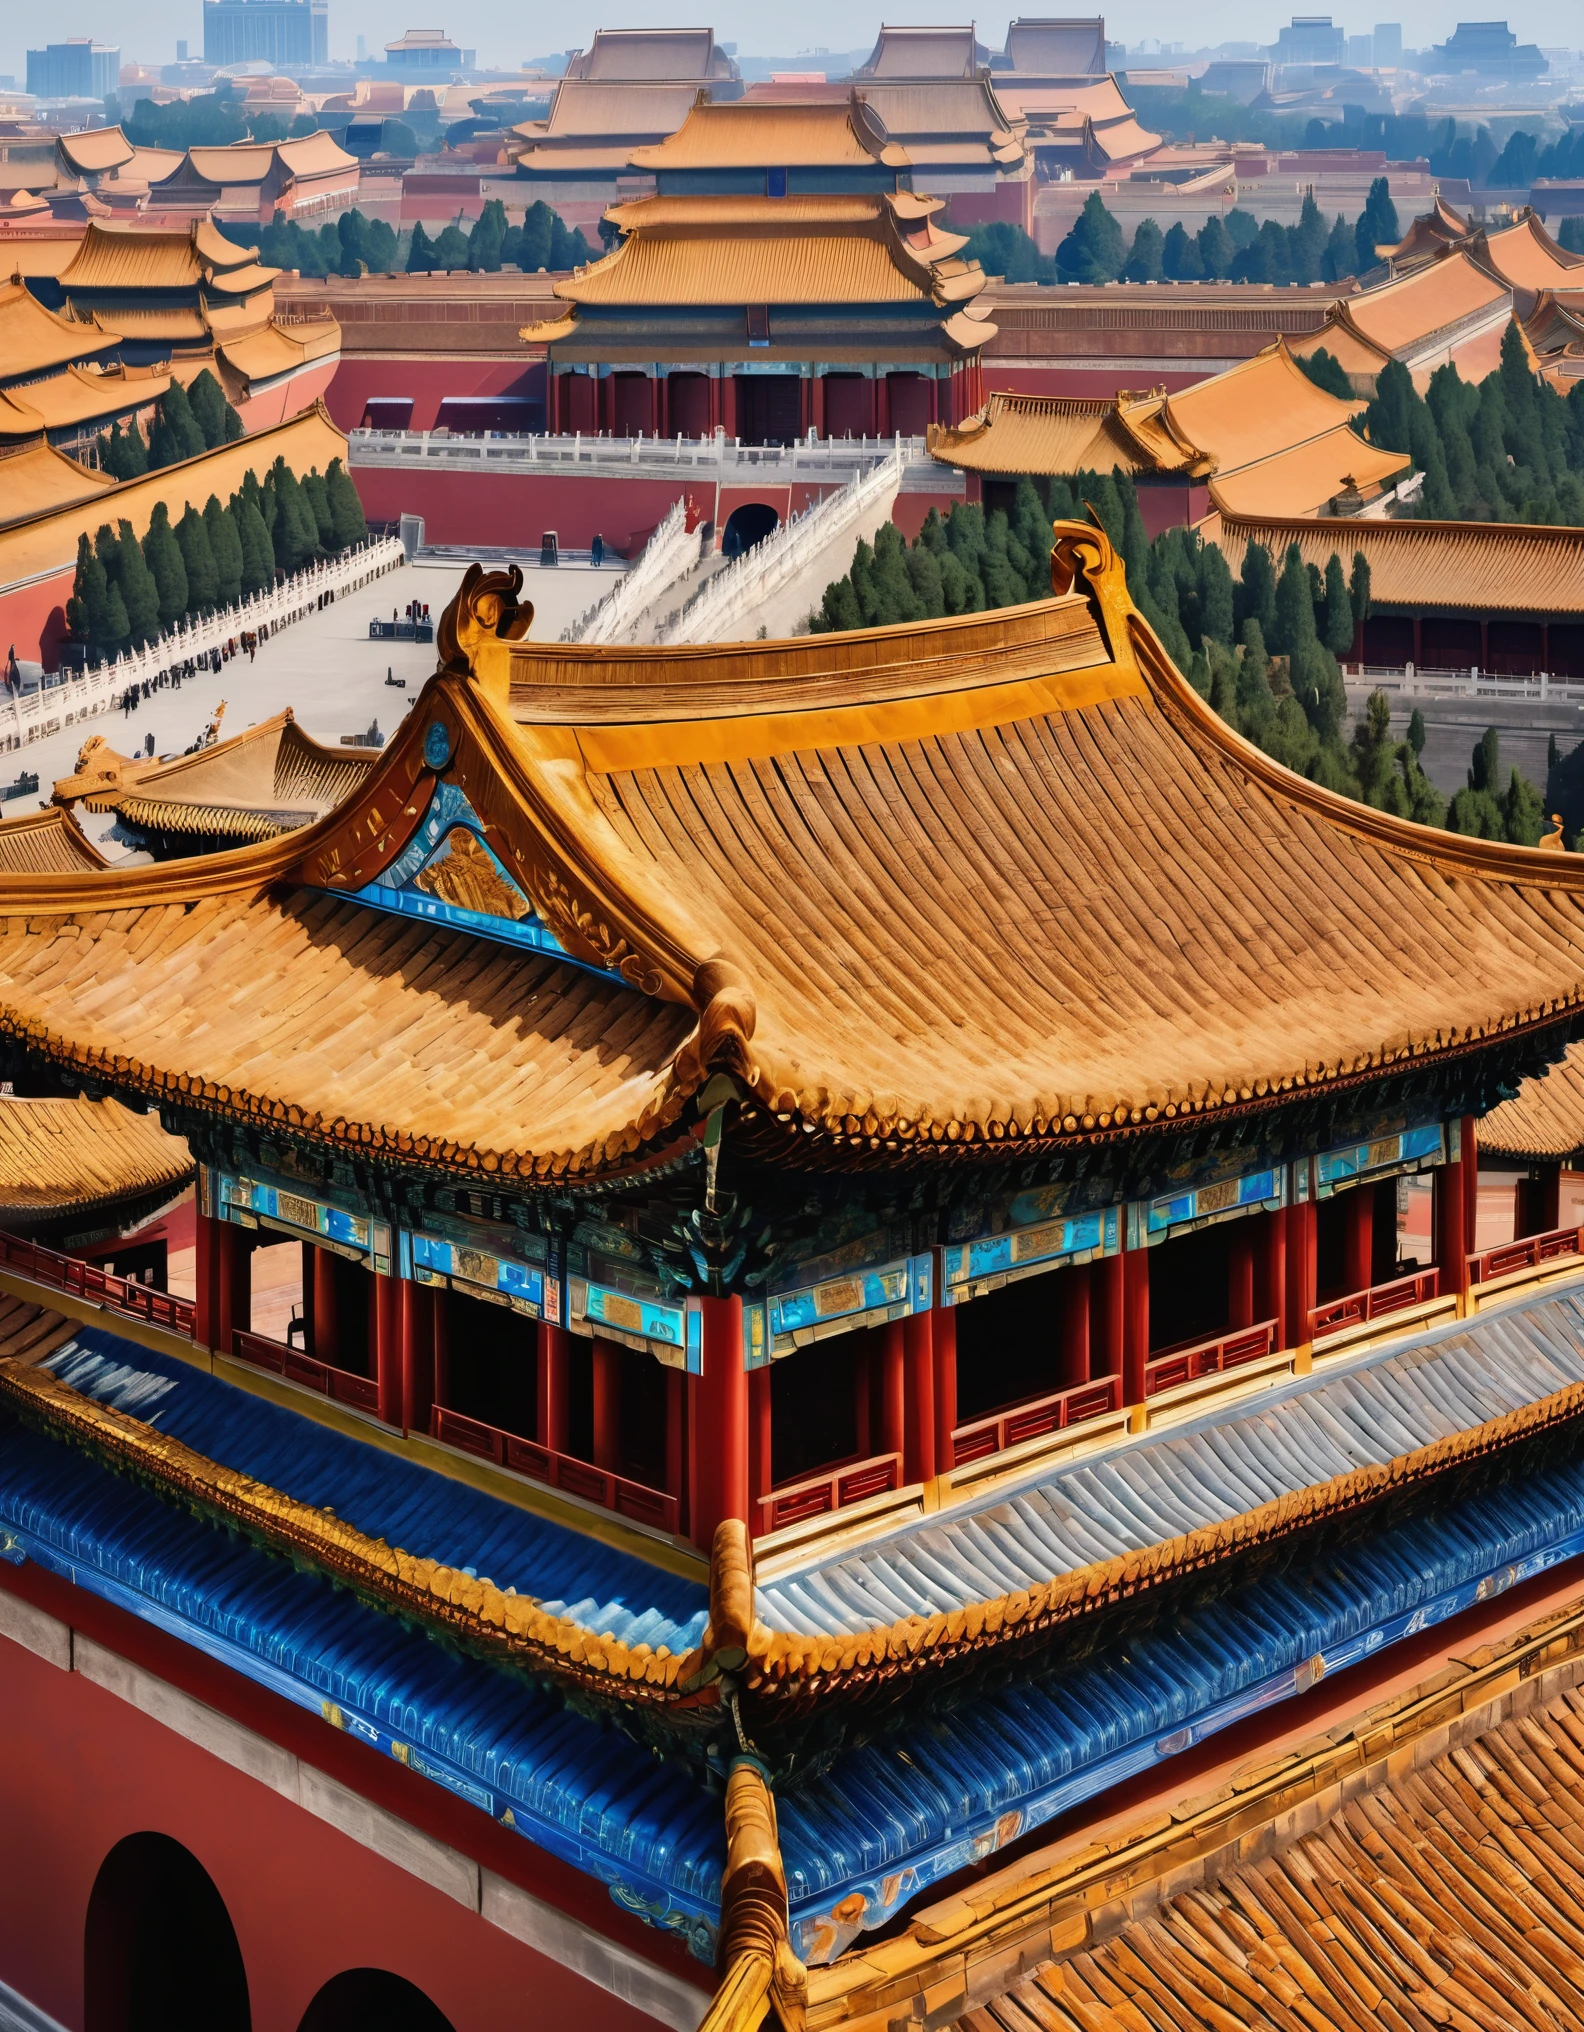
[[84, 1768], [33, 617], [427, 384], [290, 398]]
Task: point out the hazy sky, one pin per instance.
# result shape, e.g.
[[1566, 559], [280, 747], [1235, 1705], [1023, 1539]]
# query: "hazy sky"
[[505, 34]]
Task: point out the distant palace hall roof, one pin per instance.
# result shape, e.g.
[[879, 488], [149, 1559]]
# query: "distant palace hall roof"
[[57, 1155]]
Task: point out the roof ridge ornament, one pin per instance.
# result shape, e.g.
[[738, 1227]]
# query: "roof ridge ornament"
[[478, 629]]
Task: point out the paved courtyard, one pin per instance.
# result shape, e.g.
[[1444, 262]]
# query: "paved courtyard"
[[324, 667]]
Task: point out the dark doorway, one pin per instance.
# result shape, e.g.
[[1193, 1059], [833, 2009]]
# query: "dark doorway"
[[769, 408], [910, 404], [1008, 1347], [849, 405], [372, 2000], [1389, 640], [1188, 1288], [814, 1406], [491, 1365], [159, 1951], [748, 525], [632, 405], [689, 403]]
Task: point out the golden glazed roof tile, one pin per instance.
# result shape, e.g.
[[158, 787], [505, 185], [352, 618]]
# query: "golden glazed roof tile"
[[36, 478], [950, 885], [1397, 316], [33, 339], [1545, 1118], [58, 1155], [749, 134], [1065, 434], [82, 394], [95, 150], [45, 842], [1526, 256]]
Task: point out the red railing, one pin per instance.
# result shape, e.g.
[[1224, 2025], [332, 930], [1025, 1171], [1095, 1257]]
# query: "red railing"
[[1374, 1303], [1527, 1253], [88, 1280], [297, 1367], [558, 1470], [823, 1495], [987, 1436], [1208, 1358]]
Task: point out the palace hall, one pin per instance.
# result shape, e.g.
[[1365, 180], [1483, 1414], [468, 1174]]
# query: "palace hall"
[[891, 1252]]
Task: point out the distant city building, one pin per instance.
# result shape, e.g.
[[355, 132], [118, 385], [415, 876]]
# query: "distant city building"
[[1361, 51], [1310, 39], [1388, 45], [75, 69], [1489, 48], [278, 32], [429, 52]]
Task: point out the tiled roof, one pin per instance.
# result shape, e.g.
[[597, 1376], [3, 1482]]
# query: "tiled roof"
[[914, 53], [593, 109], [60, 1154], [36, 478], [1056, 48], [1443, 1895], [1301, 479], [942, 918], [83, 394], [649, 54], [1525, 255], [1399, 315], [44, 842], [95, 150], [1499, 567], [263, 781], [969, 110], [746, 134], [279, 349], [1545, 1118], [33, 340], [1428, 234], [47, 540], [115, 256], [1062, 434]]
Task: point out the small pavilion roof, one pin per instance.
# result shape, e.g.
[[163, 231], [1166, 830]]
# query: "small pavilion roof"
[[1428, 235], [115, 256], [261, 354], [59, 1156], [943, 121], [250, 162], [1525, 256], [1030, 1002], [605, 113], [664, 55], [1272, 439], [744, 133], [1495, 567], [1055, 48], [1366, 330], [269, 779], [916, 53], [36, 479], [47, 842], [95, 151], [82, 395], [1544, 1120], [35, 341]]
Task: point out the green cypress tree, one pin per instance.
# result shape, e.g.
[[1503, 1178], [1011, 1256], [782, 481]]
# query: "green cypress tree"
[[294, 520], [134, 452], [1217, 619], [379, 248], [214, 416], [1416, 732], [484, 242], [537, 229], [176, 434], [117, 629], [162, 555], [316, 495], [91, 595], [1094, 251], [1340, 258], [351, 256], [1257, 589], [1180, 257], [1326, 371], [451, 249], [225, 546], [1215, 250], [137, 588], [568, 249], [1295, 615], [346, 510], [1146, 257], [258, 555], [1359, 588], [1523, 811], [269, 508], [420, 252], [1339, 628], [198, 559]]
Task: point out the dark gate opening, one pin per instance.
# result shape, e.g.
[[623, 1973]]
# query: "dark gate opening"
[[159, 1951]]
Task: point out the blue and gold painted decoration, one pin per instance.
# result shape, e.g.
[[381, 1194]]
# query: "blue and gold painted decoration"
[[1411, 1149], [253, 1202], [670, 1329], [449, 874], [972, 1269], [861, 1284], [505, 1266], [1201, 1206]]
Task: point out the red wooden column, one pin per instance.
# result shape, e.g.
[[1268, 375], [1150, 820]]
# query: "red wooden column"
[[233, 1257], [944, 1333], [1453, 1220], [1302, 1270], [759, 1443], [206, 1269], [1240, 1275], [416, 1343], [1135, 1323], [1358, 1237], [893, 1389], [817, 402], [1271, 1278], [918, 1452], [718, 1436], [607, 1406], [324, 1337], [555, 1357], [1073, 1310], [1106, 1298], [385, 1333]]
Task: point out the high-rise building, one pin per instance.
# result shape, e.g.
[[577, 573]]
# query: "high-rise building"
[[1388, 45], [279, 32], [78, 68], [1310, 39]]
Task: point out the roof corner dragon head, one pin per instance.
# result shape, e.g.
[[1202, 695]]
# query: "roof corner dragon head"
[[479, 627]]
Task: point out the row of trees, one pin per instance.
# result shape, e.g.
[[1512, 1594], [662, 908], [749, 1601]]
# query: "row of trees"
[[1263, 646], [186, 423], [356, 244], [1237, 248], [206, 120], [126, 592], [1509, 448]]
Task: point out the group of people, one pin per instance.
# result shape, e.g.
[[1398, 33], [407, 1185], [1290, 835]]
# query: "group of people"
[[210, 660]]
